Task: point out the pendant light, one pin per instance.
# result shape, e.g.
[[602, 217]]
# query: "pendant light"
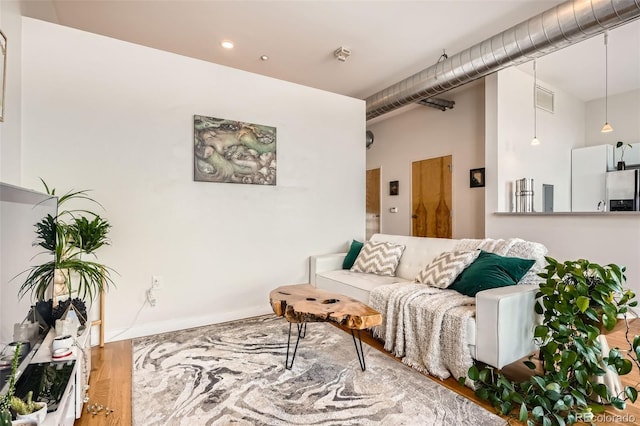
[[535, 140], [607, 127]]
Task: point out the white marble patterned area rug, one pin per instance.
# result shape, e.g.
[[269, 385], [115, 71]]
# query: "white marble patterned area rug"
[[233, 374]]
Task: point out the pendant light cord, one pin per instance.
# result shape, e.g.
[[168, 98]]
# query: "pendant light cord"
[[607, 127], [535, 141], [606, 76], [535, 112]]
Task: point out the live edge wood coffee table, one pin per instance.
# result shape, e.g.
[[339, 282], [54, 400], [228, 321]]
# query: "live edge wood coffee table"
[[303, 303]]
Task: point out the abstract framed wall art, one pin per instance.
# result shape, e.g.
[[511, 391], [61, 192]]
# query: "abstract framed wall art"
[[233, 151]]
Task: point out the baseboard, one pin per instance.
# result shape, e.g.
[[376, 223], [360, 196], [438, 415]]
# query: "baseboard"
[[147, 329]]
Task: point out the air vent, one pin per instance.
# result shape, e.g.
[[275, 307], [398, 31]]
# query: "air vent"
[[544, 99], [437, 103]]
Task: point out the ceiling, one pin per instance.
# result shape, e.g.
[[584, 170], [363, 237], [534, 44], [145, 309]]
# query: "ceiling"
[[389, 40]]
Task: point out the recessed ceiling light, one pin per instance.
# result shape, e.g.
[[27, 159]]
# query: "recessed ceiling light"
[[264, 57], [227, 44]]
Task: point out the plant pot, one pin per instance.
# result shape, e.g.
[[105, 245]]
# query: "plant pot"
[[60, 289], [621, 165], [79, 306], [44, 308], [36, 417]]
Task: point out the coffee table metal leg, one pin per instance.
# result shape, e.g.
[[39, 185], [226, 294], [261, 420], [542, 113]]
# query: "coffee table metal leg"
[[302, 332], [359, 351]]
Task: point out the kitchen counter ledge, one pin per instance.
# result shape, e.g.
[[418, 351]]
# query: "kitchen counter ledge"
[[547, 214]]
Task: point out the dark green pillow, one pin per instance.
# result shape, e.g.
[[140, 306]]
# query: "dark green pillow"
[[491, 271], [354, 250]]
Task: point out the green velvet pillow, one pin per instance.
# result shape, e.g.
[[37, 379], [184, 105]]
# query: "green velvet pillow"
[[354, 250], [491, 271]]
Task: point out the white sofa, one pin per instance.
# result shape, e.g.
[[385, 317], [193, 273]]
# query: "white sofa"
[[500, 333]]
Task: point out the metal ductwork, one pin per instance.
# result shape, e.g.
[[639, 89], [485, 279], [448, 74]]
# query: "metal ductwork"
[[558, 27]]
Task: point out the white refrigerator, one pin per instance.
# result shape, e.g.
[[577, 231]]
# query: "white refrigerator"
[[589, 167]]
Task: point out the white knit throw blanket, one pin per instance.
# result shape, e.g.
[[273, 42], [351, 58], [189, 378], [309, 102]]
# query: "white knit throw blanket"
[[426, 327]]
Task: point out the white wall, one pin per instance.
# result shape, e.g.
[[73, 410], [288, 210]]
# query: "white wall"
[[624, 113], [421, 133], [10, 151], [558, 132], [602, 238], [117, 118]]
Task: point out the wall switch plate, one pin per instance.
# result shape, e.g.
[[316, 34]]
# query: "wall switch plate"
[[156, 282]]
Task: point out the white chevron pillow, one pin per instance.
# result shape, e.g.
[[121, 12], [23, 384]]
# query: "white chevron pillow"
[[378, 257], [445, 268]]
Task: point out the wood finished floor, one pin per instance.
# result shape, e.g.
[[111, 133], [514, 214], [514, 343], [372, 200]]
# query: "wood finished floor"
[[110, 385], [111, 369]]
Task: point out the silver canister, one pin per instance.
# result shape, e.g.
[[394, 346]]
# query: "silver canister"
[[523, 195]]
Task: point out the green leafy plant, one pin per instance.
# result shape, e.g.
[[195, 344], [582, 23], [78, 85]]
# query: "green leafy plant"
[[27, 406], [70, 236], [578, 301], [5, 400], [88, 235], [623, 146]]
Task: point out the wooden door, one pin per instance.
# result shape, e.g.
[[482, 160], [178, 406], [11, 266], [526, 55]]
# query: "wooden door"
[[373, 202], [431, 197]]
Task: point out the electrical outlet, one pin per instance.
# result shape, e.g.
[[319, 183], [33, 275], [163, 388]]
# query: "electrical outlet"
[[156, 282]]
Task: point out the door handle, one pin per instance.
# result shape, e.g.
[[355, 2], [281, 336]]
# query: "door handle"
[[414, 216]]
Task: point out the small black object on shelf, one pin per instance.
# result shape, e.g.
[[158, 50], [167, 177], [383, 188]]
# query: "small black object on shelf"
[[49, 314]]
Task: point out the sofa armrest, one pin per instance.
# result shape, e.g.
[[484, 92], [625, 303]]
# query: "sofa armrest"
[[505, 323], [323, 263]]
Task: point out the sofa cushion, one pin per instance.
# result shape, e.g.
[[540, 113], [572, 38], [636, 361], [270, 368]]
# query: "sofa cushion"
[[353, 284], [499, 246], [446, 267], [512, 247], [418, 252], [491, 271], [378, 257], [351, 256], [530, 250]]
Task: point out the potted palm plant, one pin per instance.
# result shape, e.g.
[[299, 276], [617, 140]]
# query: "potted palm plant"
[[73, 236]]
